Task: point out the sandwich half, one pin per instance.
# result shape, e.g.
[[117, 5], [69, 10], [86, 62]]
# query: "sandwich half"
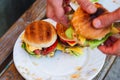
[[40, 38]]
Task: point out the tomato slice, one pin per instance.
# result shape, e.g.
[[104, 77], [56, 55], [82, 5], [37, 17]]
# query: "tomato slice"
[[50, 49], [72, 42], [65, 41]]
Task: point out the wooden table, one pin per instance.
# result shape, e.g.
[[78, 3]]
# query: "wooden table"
[[36, 12]]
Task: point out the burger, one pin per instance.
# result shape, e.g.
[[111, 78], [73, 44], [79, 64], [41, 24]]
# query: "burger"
[[40, 38], [81, 32], [67, 43], [86, 34]]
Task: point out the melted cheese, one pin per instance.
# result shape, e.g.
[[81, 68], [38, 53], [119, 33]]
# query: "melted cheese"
[[51, 54], [81, 39], [76, 49], [114, 30], [31, 48], [60, 47]]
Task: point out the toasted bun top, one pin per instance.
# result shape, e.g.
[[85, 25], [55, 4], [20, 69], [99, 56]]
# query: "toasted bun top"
[[61, 32], [40, 34], [82, 23]]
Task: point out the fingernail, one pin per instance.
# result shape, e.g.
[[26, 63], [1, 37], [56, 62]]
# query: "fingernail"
[[97, 23], [92, 9]]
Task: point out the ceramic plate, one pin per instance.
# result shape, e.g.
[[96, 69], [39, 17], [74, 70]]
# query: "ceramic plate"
[[60, 67]]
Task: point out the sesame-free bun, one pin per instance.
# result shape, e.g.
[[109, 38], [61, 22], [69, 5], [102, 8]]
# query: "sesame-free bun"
[[82, 23], [40, 34], [60, 28]]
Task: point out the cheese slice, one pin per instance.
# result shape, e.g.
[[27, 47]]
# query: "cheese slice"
[[114, 30], [76, 49], [60, 47], [81, 39], [31, 48]]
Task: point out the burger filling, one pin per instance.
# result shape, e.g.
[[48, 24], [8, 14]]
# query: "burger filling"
[[67, 43], [40, 51], [92, 43], [73, 50], [95, 43]]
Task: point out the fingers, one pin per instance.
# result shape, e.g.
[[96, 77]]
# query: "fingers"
[[60, 14], [56, 12], [107, 19], [107, 50], [49, 13], [87, 6], [111, 50], [50, 10]]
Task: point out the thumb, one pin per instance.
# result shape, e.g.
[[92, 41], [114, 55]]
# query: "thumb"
[[60, 14], [107, 19]]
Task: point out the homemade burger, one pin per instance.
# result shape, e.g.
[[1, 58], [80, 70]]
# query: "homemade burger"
[[81, 31], [86, 34], [39, 38], [67, 42]]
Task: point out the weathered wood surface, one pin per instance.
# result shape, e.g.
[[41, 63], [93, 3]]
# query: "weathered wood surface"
[[114, 73], [108, 63], [11, 74], [36, 12]]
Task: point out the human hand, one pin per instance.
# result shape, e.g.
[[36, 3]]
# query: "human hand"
[[107, 19], [56, 10], [111, 46]]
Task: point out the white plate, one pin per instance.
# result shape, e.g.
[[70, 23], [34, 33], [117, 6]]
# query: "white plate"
[[60, 67]]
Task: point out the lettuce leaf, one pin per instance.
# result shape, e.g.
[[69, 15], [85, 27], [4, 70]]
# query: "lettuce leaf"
[[30, 52], [95, 43], [24, 47], [69, 33], [94, 0]]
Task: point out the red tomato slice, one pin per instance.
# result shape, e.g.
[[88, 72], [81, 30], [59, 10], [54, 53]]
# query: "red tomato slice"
[[65, 41], [49, 49], [72, 42]]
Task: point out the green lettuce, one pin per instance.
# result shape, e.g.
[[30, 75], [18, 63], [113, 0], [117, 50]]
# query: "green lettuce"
[[28, 51], [69, 33], [24, 47], [95, 43], [94, 0]]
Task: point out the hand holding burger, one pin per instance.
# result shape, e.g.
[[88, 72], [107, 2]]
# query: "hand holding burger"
[[112, 45], [56, 9], [102, 21]]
